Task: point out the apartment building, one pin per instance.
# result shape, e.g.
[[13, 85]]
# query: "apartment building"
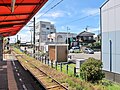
[[42, 30]]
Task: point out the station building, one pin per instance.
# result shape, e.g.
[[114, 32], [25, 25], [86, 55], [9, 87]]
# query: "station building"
[[110, 29]]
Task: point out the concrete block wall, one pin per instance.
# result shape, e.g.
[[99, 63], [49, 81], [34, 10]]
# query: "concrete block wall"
[[112, 76]]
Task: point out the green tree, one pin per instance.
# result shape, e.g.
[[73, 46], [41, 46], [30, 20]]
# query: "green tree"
[[91, 70]]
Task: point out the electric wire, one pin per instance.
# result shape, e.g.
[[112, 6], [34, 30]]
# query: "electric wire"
[[51, 8], [47, 6]]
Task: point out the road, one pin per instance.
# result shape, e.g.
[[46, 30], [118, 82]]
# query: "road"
[[96, 55]]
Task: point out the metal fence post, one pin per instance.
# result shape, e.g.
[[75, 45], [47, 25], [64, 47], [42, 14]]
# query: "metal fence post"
[[42, 59], [67, 68], [45, 59], [52, 64], [48, 61], [56, 65], [74, 71], [61, 67]]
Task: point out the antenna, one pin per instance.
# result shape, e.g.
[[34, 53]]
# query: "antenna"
[[86, 29]]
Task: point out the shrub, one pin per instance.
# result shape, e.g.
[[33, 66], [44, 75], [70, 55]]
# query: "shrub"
[[91, 70]]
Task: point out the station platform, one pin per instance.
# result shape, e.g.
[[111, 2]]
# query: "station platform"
[[3, 76], [7, 79], [14, 77]]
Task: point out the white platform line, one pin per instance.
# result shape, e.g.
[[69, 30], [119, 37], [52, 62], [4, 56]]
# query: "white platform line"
[[24, 87], [13, 63], [20, 79], [18, 74]]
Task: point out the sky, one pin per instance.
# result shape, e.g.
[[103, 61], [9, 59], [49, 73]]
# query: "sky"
[[75, 14]]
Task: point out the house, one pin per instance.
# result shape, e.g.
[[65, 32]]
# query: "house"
[[85, 37], [98, 38], [110, 29]]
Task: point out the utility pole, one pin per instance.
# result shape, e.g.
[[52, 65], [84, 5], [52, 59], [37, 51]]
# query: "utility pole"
[[17, 37], [34, 37], [31, 36], [67, 37]]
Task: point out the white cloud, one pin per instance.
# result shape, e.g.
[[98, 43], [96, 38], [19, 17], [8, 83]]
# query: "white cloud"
[[54, 14], [47, 18], [90, 11]]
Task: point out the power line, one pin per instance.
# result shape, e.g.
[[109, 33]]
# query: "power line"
[[47, 5], [82, 18], [116, 6], [51, 8]]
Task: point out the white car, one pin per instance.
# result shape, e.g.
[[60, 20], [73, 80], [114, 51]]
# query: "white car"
[[88, 51], [74, 49]]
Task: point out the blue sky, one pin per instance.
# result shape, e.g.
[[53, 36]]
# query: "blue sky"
[[68, 13]]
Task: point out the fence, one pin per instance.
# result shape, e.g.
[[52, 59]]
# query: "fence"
[[63, 67]]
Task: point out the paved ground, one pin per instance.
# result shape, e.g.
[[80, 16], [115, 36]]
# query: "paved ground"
[[13, 74], [96, 55], [23, 78], [3, 76]]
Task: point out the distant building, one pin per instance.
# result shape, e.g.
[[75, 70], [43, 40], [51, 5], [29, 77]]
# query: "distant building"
[[42, 30], [60, 37], [85, 37], [98, 38], [110, 28]]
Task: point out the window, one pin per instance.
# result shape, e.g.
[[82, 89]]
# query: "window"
[[47, 28], [51, 32], [52, 27], [90, 38], [37, 33], [43, 25], [59, 36], [85, 38], [38, 40]]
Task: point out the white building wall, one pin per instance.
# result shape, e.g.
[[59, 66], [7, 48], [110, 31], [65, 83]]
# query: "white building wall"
[[61, 37], [110, 16], [41, 33]]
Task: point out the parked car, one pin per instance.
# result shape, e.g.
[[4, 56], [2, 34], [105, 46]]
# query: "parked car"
[[75, 49], [88, 51]]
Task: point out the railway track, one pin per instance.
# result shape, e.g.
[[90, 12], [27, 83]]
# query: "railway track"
[[48, 82]]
